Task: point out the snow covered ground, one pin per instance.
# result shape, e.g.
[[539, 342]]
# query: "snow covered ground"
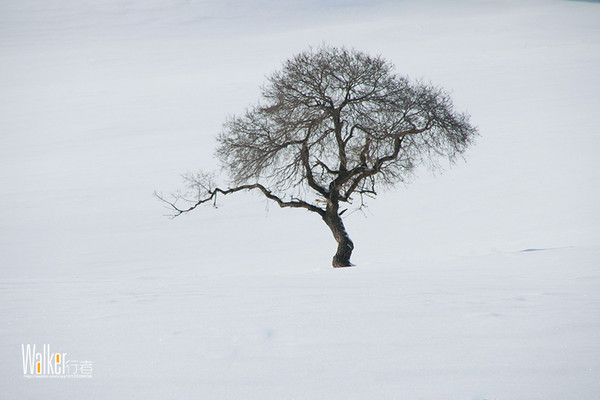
[[480, 283]]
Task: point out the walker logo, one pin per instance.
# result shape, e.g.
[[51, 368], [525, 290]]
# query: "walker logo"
[[47, 364]]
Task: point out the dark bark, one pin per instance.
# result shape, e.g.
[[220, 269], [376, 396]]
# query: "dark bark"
[[345, 246]]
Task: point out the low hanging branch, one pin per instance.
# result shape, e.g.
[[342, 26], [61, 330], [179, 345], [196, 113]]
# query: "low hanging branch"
[[333, 123], [211, 195]]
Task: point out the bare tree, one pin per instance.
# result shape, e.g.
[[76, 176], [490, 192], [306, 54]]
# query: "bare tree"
[[334, 126]]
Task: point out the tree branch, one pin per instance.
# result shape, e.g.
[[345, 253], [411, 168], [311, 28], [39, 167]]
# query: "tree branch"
[[361, 172], [309, 173], [212, 195], [331, 171]]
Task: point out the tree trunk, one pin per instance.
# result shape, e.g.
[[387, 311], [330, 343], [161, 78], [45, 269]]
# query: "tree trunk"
[[345, 245]]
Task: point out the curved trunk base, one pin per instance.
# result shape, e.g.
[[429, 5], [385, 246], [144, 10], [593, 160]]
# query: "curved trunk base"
[[344, 250], [345, 245]]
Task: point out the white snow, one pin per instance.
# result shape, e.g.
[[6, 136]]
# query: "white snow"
[[103, 102]]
